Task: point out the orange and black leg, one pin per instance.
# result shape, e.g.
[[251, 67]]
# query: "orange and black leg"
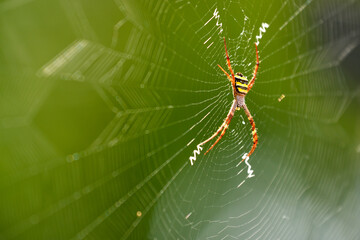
[[255, 70], [230, 79], [228, 61], [254, 133], [223, 127]]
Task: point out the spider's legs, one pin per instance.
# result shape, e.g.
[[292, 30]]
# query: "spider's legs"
[[223, 127], [255, 70], [228, 62], [231, 80], [254, 133]]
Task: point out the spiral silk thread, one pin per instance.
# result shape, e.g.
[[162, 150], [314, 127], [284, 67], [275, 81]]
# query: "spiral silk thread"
[[196, 152], [262, 30], [215, 15], [249, 171]]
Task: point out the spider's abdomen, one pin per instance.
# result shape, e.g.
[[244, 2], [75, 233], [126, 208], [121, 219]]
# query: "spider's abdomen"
[[241, 83]]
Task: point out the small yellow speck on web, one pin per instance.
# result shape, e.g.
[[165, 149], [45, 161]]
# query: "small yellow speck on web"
[[281, 97], [138, 213]]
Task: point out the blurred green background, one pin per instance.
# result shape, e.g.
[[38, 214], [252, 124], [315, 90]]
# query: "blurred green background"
[[103, 103]]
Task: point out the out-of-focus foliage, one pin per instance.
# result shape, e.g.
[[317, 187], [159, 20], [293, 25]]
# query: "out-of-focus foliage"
[[100, 109]]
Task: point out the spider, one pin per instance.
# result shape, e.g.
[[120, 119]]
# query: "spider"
[[241, 87]]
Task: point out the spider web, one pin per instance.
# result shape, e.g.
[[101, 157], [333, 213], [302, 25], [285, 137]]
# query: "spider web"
[[148, 69]]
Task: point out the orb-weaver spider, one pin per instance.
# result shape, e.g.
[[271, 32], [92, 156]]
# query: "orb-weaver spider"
[[241, 87]]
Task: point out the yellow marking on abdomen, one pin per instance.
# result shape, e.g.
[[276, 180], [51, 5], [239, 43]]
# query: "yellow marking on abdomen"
[[239, 84], [241, 87], [240, 90]]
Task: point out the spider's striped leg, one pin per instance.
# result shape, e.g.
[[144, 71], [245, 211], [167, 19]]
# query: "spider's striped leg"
[[228, 62], [231, 112], [255, 70], [223, 127], [254, 133], [231, 80]]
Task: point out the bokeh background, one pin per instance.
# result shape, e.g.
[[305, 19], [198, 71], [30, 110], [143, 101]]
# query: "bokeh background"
[[103, 102]]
